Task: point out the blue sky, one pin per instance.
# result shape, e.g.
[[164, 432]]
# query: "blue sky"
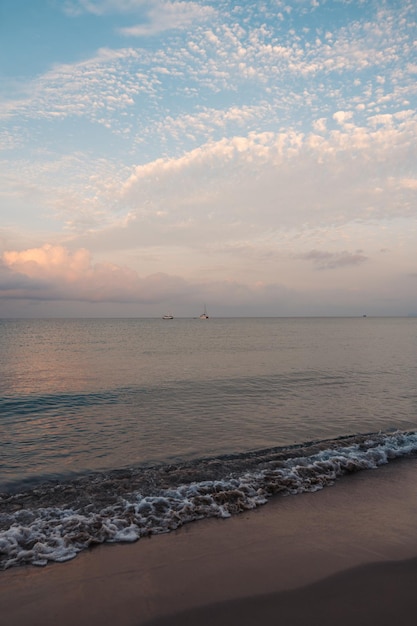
[[156, 155]]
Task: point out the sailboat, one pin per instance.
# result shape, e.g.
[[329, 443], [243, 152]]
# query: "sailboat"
[[168, 316], [204, 315]]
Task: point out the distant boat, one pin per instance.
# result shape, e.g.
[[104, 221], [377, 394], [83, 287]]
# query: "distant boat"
[[204, 315], [168, 316]]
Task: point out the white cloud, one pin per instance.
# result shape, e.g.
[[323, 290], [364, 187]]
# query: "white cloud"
[[102, 7], [165, 15], [207, 122], [320, 125], [284, 178], [342, 117], [93, 89], [228, 147], [121, 89]]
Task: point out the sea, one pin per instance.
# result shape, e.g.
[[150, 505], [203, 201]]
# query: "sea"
[[116, 429]]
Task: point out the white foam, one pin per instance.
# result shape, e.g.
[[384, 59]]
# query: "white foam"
[[58, 534]]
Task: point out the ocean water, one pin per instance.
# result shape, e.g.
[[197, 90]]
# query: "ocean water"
[[111, 429]]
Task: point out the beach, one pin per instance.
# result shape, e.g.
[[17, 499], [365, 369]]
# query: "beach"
[[347, 552]]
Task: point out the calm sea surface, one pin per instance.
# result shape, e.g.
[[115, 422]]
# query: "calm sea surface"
[[92, 394], [137, 412]]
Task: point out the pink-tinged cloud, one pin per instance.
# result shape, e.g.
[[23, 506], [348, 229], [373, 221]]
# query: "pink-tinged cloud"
[[56, 273], [53, 273]]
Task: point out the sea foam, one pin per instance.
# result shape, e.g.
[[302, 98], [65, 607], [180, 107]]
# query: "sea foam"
[[56, 520]]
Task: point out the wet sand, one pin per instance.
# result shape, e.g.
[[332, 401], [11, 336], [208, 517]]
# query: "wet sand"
[[346, 553]]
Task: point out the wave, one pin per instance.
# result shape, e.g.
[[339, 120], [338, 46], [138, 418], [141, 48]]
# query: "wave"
[[32, 405], [55, 520]]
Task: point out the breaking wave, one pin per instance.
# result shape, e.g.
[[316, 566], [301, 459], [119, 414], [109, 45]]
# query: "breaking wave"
[[56, 520]]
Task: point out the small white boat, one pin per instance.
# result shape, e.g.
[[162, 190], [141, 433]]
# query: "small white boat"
[[204, 315], [168, 316]]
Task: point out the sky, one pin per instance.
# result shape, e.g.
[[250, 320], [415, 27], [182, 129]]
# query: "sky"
[[160, 155]]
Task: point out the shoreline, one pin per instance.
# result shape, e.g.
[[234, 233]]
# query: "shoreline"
[[288, 555]]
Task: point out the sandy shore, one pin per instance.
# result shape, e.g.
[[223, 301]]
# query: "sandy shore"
[[378, 594], [346, 553]]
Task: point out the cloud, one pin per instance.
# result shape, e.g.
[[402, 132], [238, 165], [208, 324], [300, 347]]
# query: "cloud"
[[227, 147], [238, 187], [325, 260], [157, 15], [97, 89], [53, 272], [102, 7], [14, 284], [273, 181], [342, 117], [165, 15], [207, 122], [408, 183], [132, 90]]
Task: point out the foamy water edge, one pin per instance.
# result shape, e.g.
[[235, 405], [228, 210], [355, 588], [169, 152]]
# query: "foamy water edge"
[[56, 520]]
